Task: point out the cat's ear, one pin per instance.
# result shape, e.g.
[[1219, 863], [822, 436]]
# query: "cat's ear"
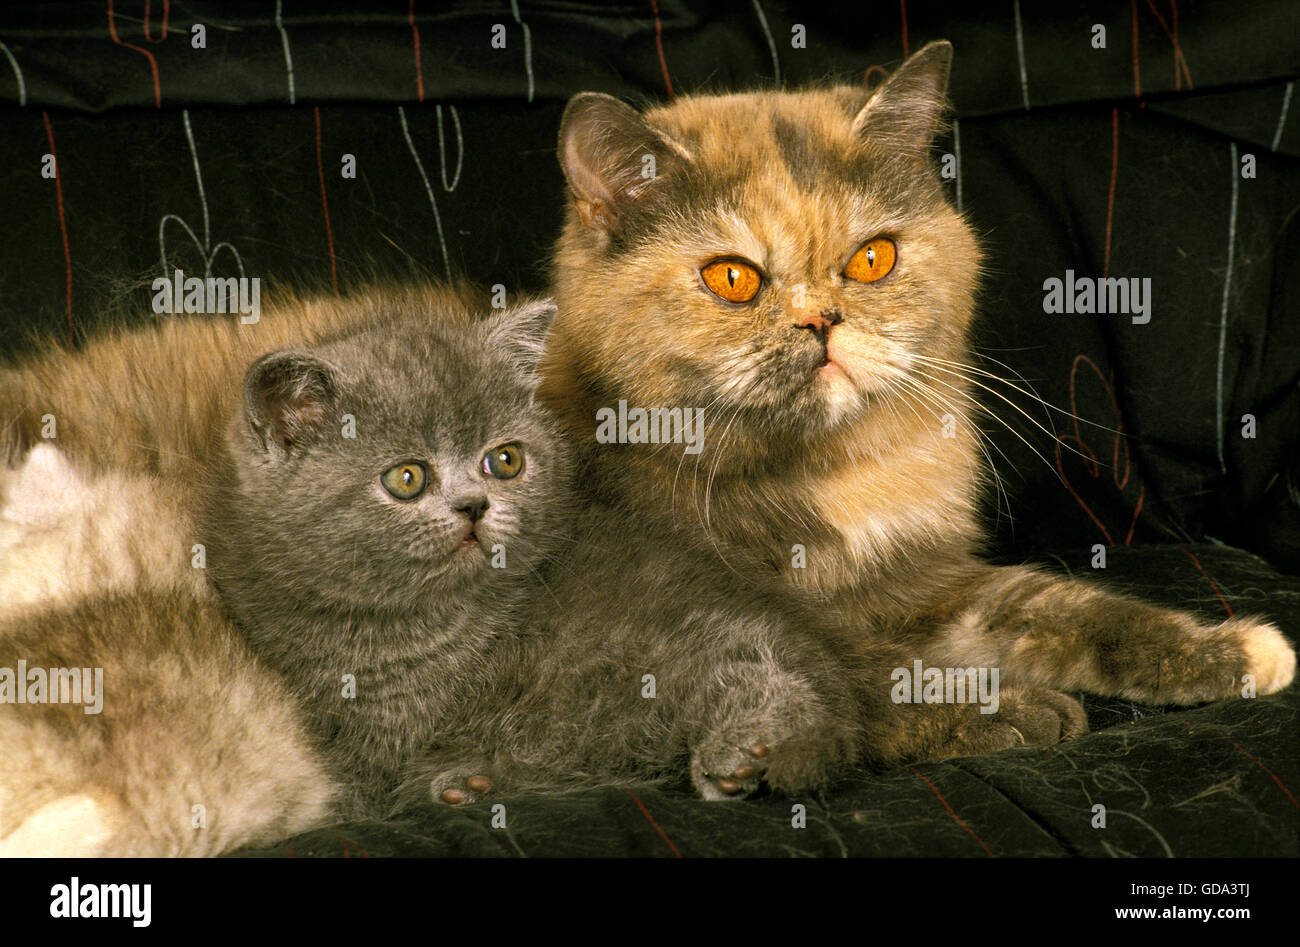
[[907, 111], [519, 334], [611, 157], [290, 400]]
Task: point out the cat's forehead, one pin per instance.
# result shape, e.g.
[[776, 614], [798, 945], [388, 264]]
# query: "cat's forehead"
[[789, 162], [719, 129], [441, 372], [783, 179]]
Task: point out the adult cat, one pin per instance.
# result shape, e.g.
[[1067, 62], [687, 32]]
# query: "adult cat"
[[789, 262]]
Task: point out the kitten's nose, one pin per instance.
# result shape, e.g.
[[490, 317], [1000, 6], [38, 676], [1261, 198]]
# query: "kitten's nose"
[[818, 322], [473, 507]]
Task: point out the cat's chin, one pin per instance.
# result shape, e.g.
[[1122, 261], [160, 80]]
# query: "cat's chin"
[[465, 558], [839, 394]]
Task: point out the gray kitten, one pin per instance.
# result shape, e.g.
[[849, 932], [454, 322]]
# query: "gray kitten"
[[393, 525]]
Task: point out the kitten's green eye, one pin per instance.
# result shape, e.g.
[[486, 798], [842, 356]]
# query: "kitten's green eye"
[[505, 462], [405, 481], [873, 261], [734, 281]]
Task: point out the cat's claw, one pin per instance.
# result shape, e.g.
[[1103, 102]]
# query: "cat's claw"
[[1028, 717], [1054, 718]]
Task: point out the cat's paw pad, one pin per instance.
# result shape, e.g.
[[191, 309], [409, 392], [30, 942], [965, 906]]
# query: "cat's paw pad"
[[458, 790], [1269, 656], [723, 769]]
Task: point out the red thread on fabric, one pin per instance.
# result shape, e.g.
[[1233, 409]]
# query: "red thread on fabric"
[[153, 63], [902, 16], [63, 225], [325, 205], [649, 818], [347, 852], [659, 45], [167, 10], [1114, 174], [1137, 72], [1180, 61], [1121, 472], [1137, 511], [1242, 749], [419, 72], [1197, 562], [952, 812]]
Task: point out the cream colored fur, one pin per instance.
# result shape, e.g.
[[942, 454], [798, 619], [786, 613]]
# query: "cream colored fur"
[[199, 749]]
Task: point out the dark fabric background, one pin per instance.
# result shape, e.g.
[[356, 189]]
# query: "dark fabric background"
[[1122, 161]]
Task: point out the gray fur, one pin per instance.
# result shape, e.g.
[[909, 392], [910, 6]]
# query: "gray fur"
[[531, 675]]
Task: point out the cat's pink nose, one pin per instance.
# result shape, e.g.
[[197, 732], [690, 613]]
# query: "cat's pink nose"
[[819, 322]]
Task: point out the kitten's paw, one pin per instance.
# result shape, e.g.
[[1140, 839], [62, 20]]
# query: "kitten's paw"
[[733, 765], [726, 768], [1270, 659], [458, 789]]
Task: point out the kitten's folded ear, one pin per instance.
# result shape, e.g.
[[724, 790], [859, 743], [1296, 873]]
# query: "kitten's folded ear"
[[611, 157], [519, 334], [905, 113], [290, 400]]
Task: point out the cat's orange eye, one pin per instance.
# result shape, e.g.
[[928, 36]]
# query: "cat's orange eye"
[[732, 280], [873, 261]]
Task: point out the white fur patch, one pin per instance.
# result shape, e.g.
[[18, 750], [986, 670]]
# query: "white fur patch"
[[38, 492], [65, 536], [75, 826], [1269, 657]]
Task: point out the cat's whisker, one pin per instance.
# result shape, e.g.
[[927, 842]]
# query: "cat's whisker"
[[963, 367], [997, 394], [995, 416], [936, 401], [673, 493], [708, 489]]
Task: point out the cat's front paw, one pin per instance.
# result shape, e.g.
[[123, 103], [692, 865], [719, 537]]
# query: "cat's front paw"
[[1042, 717], [1270, 659], [1026, 716], [459, 788]]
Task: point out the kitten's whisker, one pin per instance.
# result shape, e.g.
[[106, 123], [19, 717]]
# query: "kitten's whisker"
[[673, 493], [976, 405]]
